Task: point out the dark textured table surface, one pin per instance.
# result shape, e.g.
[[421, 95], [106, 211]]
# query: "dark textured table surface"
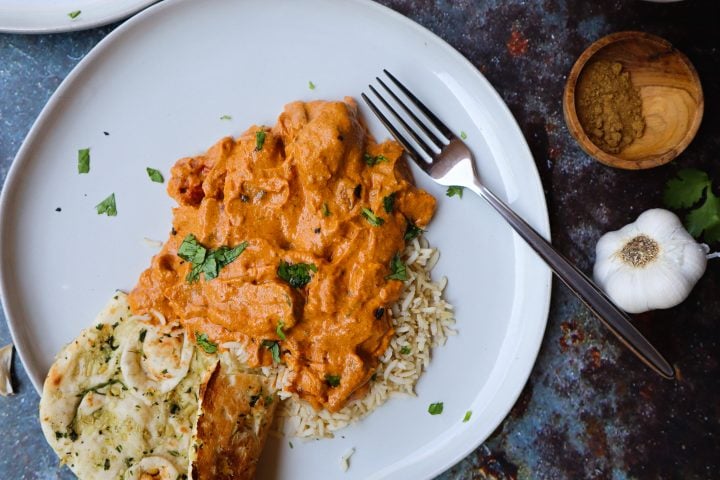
[[589, 410]]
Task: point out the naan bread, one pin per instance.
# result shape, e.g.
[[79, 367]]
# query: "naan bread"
[[234, 417], [121, 400]]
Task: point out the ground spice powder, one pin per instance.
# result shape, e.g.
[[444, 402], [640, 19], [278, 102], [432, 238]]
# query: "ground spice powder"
[[609, 106]]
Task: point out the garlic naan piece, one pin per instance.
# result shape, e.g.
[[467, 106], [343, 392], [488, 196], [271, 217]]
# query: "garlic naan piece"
[[235, 414], [152, 468], [157, 360], [86, 364]]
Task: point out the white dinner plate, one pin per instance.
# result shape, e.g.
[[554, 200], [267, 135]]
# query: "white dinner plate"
[[52, 16], [159, 84]]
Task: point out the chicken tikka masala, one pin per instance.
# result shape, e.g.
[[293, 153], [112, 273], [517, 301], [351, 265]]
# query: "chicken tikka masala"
[[287, 241]]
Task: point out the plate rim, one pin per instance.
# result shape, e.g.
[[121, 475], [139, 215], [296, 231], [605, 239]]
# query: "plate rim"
[[86, 22], [542, 224]]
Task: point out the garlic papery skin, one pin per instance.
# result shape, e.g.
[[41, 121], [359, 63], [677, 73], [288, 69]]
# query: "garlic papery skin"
[[650, 264]]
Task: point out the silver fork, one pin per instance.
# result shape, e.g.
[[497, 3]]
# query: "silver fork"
[[451, 163]]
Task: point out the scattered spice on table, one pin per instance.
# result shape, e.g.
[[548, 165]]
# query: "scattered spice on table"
[[609, 106]]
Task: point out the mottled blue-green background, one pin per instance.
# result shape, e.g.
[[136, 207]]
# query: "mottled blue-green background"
[[589, 410]]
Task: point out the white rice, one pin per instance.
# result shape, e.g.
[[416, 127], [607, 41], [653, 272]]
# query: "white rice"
[[422, 319]]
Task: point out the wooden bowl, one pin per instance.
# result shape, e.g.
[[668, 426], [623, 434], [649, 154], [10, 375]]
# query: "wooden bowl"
[[670, 91]]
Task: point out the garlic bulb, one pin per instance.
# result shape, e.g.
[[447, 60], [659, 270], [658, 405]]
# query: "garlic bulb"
[[650, 264]]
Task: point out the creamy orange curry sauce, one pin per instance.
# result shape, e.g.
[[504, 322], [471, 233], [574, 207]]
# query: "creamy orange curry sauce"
[[295, 193]]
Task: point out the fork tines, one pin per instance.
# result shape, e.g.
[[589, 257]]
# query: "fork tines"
[[424, 139]]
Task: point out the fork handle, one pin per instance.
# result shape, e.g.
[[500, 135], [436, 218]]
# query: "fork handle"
[[611, 316]]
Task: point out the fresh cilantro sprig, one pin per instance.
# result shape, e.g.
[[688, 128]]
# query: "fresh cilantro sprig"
[[373, 160], [455, 190], [205, 343], [693, 188], [332, 380], [84, 160], [297, 275], [274, 348], [205, 260], [372, 219], [398, 270]]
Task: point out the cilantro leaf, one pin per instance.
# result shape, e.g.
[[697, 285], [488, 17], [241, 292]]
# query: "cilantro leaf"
[[204, 342], [325, 210], [84, 160], [453, 190], [705, 218], [297, 275], [412, 230], [226, 117], [372, 219], [107, 206], [155, 175], [687, 189], [374, 160], [463, 135], [74, 14], [226, 255], [467, 416], [279, 330], [207, 261], [389, 203], [311, 85], [332, 380], [435, 408], [274, 348], [259, 140], [405, 350], [398, 270]]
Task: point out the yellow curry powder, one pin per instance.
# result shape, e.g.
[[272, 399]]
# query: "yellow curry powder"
[[609, 106]]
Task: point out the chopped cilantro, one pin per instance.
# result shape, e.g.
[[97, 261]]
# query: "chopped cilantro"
[[106, 465], [325, 210], [107, 206], [332, 380], [454, 190], [311, 85], [204, 342], [435, 408], [297, 275], [226, 117], [207, 261], [274, 348], [99, 326], [155, 175], [374, 160], [84, 160], [259, 140], [174, 453], [74, 14], [463, 135], [405, 350], [290, 443], [467, 416], [389, 203], [372, 219], [412, 230], [279, 330], [398, 270]]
